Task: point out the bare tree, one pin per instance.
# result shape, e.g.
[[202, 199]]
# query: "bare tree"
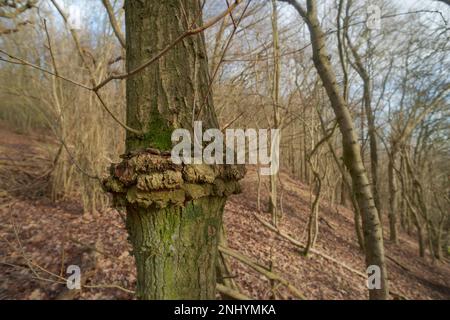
[[352, 154]]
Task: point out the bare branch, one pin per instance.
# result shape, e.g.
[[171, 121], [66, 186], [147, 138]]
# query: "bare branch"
[[114, 24], [155, 58]]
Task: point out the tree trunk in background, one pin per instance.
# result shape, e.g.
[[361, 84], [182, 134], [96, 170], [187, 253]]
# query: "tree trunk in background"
[[343, 193], [372, 133], [393, 196], [175, 247], [373, 239], [273, 203], [373, 148]]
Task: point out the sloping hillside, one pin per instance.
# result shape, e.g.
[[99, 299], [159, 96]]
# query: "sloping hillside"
[[39, 239], [318, 276]]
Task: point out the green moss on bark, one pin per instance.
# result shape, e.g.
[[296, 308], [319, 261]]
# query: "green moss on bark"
[[157, 135], [175, 249]]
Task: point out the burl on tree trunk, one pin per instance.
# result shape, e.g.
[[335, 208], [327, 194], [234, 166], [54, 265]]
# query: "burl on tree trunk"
[[174, 214]]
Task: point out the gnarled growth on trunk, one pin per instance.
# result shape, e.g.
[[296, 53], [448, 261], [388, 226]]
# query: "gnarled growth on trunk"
[[174, 212], [174, 215]]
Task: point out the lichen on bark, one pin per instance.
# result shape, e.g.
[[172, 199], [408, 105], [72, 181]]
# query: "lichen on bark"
[[174, 213]]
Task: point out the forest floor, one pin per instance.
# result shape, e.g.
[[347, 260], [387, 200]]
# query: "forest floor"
[[40, 238]]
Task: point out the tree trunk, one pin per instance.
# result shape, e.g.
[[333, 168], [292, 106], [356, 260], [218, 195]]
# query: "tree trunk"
[[420, 240], [393, 198], [352, 150], [343, 193], [367, 97], [273, 202], [313, 223], [174, 242], [176, 249], [373, 144]]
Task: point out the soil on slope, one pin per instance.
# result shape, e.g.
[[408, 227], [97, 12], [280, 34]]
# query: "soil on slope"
[[40, 238]]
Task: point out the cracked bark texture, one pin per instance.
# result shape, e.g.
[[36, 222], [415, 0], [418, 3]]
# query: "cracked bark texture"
[[165, 95]]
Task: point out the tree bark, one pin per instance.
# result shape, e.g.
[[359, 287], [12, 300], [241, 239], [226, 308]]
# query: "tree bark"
[[175, 246]]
